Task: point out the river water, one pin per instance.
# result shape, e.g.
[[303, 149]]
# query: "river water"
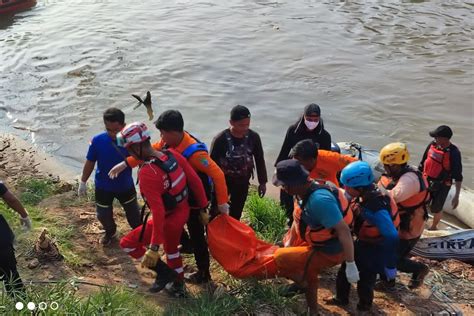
[[381, 71]]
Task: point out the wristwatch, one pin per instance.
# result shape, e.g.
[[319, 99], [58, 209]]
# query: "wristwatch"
[[154, 247]]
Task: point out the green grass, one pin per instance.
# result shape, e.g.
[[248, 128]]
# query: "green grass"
[[105, 301], [246, 297], [34, 190], [266, 217]]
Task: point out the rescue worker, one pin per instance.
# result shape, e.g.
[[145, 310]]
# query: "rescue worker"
[[320, 222], [376, 222], [8, 270], [104, 151], [171, 126], [441, 164], [409, 189], [323, 165], [164, 179], [309, 126], [235, 150]]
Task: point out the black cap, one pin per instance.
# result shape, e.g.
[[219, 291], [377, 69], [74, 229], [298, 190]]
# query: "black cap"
[[312, 109], [239, 112], [442, 131], [290, 173]]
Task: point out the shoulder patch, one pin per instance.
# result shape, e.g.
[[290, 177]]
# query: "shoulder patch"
[[204, 161]]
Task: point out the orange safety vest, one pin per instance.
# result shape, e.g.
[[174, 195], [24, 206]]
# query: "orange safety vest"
[[407, 207], [317, 236], [437, 165], [362, 228]]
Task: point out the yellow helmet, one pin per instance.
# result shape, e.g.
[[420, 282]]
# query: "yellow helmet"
[[394, 154]]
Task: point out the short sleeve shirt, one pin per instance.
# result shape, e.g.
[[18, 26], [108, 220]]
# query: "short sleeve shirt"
[[107, 154]]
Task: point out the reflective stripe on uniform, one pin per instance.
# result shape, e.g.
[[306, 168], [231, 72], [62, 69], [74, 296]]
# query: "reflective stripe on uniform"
[[130, 201], [102, 205], [173, 255], [175, 182]]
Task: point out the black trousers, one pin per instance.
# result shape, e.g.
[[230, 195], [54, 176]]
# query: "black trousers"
[[287, 202], [8, 271], [238, 189], [197, 239], [367, 258], [405, 264], [104, 208]]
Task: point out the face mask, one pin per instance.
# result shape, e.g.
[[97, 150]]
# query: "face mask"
[[311, 125]]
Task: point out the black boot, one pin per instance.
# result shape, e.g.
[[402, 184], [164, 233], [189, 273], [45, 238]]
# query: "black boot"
[[164, 275], [199, 277]]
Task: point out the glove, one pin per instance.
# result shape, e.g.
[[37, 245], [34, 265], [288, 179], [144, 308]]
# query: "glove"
[[262, 189], [82, 191], [352, 274], [204, 218], [223, 208], [25, 223], [390, 273], [117, 169], [150, 259]]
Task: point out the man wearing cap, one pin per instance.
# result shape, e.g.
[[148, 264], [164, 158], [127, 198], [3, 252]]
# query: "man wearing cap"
[[238, 150], [441, 164], [322, 224], [309, 126]]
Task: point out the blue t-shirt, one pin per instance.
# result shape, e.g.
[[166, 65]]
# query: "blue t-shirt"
[[322, 209], [103, 151]]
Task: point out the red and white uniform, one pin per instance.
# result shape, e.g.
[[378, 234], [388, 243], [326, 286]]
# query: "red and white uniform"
[[166, 226]]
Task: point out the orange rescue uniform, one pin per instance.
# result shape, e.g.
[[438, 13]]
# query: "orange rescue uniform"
[[328, 164], [200, 161]]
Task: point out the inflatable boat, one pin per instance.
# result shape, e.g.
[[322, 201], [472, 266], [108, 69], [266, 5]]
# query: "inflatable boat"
[[13, 6]]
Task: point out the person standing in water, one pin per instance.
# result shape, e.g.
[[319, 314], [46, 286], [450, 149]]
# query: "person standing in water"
[[309, 126], [235, 149], [441, 164]]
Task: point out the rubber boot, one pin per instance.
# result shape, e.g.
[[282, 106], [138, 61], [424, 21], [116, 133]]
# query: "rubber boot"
[[164, 275]]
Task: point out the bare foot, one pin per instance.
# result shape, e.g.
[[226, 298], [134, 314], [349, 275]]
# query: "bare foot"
[[433, 228]]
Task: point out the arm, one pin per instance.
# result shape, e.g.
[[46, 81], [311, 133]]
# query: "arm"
[[217, 150], [87, 170], [344, 160], [285, 147], [405, 187], [202, 162], [325, 140], [344, 235], [425, 154], [456, 172], [260, 160], [15, 204], [193, 180], [384, 224]]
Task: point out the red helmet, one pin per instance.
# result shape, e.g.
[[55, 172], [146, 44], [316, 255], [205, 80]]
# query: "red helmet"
[[133, 133]]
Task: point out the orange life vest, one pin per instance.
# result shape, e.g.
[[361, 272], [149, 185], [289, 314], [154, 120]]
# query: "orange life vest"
[[437, 164], [317, 236], [377, 201]]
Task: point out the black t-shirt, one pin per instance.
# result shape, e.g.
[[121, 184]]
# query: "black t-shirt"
[[219, 149]]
